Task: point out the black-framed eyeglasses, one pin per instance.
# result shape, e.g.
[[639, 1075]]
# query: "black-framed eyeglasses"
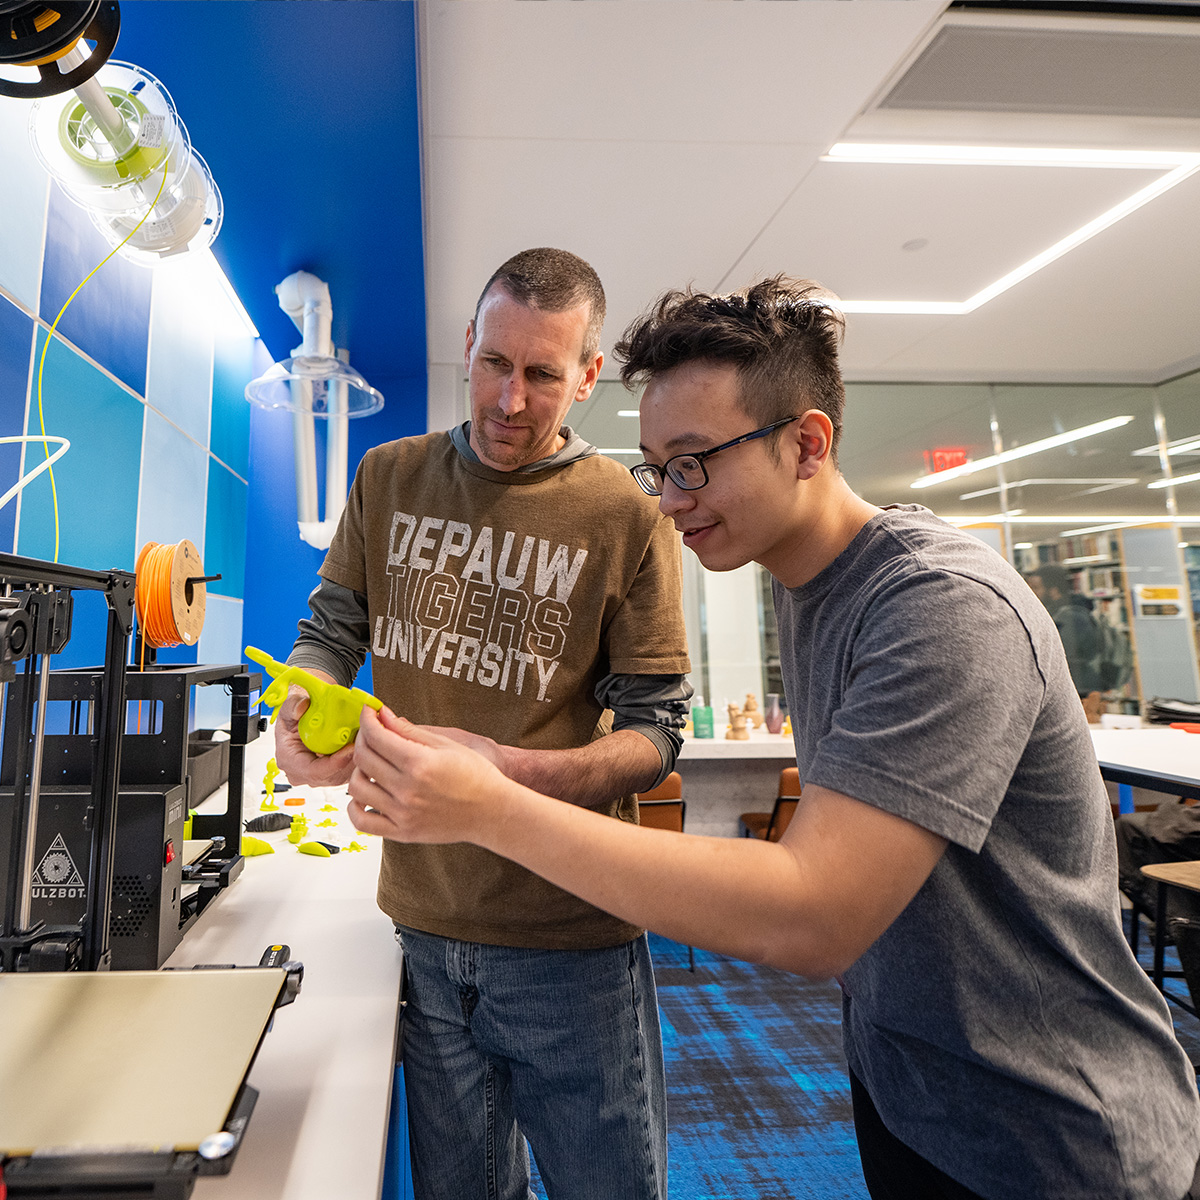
[[687, 471]]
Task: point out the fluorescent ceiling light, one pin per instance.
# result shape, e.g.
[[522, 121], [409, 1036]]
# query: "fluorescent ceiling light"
[[1108, 485], [1101, 528], [1162, 483], [1118, 522], [1085, 558], [1175, 165], [628, 412], [1022, 545], [1187, 445], [1004, 156], [992, 460]]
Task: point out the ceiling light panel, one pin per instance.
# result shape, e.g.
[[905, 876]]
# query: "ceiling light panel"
[[1102, 182], [979, 223]]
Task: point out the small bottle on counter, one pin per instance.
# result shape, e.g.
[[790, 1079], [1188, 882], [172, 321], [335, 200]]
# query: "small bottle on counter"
[[702, 718]]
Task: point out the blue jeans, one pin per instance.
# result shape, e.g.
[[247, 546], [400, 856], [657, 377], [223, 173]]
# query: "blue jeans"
[[560, 1046]]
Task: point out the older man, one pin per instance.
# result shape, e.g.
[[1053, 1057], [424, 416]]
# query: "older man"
[[515, 587]]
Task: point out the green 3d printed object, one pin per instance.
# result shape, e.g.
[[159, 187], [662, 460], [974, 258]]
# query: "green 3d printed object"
[[331, 719]]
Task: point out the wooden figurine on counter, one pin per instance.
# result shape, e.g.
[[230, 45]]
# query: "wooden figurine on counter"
[[737, 730], [752, 711]]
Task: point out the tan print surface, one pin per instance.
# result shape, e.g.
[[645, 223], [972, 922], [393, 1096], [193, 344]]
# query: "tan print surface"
[[135, 1059]]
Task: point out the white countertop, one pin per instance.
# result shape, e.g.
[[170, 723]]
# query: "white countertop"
[[761, 745], [324, 1071]]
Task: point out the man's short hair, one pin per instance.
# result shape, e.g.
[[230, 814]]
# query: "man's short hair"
[[782, 336], [553, 281], [1053, 576]]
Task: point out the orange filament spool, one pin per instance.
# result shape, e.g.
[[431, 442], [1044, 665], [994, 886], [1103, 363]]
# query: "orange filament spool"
[[169, 595]]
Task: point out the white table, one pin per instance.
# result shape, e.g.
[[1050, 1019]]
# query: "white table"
[[1158, 759], [723, 778], [324, 1071]]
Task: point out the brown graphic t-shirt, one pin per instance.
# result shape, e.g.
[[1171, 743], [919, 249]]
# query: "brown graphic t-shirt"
[[497, 600]]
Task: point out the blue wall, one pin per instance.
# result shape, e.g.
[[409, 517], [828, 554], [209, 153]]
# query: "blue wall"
[[158, 451], [147, 376]]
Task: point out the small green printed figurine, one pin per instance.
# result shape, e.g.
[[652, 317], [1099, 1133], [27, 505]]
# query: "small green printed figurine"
[[333, 714]]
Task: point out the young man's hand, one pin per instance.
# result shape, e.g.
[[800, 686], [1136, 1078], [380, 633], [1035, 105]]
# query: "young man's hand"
[[295, 759], [486, 746], [413, 784]]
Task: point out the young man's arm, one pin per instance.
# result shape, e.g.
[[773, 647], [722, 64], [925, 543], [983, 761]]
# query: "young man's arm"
[[812, 903], [590, 775]]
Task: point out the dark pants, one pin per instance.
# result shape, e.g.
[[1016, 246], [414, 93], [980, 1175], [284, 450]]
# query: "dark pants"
[[891, 1169], [1169, 834]]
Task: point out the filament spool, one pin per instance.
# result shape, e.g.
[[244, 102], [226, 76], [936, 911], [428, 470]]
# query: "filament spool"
[[170, 594]]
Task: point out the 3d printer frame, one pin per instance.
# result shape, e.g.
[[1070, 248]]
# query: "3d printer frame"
[[35, 624], [77, 765]]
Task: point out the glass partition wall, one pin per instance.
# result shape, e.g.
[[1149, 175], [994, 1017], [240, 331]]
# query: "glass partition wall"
[[1103, 480]]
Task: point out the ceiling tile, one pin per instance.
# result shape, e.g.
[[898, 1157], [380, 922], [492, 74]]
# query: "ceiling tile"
[[900, 232], [646, 217]]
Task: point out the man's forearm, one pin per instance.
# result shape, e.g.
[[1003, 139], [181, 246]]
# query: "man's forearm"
[[590, 775]]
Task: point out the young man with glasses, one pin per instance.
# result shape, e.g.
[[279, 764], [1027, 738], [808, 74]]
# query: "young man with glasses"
[[517, 589], [951, 860]]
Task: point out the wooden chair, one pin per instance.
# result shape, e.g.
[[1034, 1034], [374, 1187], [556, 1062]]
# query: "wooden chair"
[[664, 807], [770, 826]]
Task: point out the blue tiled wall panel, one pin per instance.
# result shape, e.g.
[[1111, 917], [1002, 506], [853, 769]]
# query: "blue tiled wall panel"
[[97, 480], [16, 349], [236, 361], [180, 359], [220, 642], [110, 318], [225, 531], [174, 482], [23, 190]]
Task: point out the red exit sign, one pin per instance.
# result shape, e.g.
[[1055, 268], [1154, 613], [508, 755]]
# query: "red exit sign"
[[945, 457]]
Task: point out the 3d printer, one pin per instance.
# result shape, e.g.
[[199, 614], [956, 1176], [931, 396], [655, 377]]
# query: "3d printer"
[[96, 813]]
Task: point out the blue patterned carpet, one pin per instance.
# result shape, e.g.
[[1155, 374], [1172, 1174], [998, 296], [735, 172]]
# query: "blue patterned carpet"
[[757, 1097], [758, 1106], [758, 1102]]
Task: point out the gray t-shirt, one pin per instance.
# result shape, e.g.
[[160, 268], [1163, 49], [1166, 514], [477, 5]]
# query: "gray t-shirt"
[[1001, 1024]]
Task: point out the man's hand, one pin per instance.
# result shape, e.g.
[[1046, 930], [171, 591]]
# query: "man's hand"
[[295, 759], [412, 784]]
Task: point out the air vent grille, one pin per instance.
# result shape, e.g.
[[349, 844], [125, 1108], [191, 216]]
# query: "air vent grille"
[[970, 68], [131, 905]]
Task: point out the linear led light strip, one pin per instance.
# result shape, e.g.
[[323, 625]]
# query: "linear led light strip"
[[992, 460], [1116, 522], [1177, 168], [1162, 483], [1106, 484], [1188, 445]]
